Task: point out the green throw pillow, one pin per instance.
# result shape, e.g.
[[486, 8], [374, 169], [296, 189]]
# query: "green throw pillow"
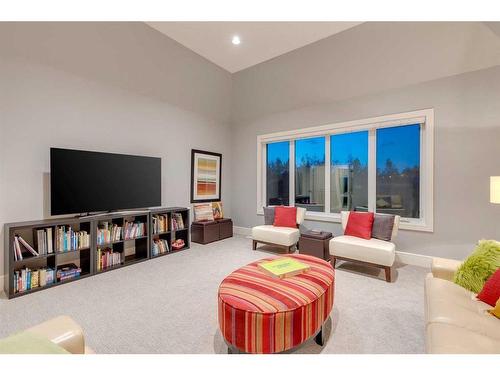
[[479, 266]]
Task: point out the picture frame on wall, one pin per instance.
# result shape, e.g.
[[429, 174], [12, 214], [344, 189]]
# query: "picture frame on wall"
[[206, 171]]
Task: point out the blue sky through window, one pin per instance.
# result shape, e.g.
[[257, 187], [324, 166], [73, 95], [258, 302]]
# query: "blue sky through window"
[[401, 145], [349, 146], [312, 149], [278, 150]]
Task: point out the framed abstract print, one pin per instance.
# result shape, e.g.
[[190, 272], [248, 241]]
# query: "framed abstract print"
[[206, 170]]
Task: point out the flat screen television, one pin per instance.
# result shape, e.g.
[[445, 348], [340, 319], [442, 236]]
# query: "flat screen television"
[[87, 181]]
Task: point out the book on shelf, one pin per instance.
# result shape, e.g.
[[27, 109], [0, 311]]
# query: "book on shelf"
[[18, 254], [44, 240], [177, 221], [42, 276], [160, 246], [50, 250], [134, 229], [107, 258], [17, 249], [26, 245], [34, 279], [27, 278], [68, 271], [107, 233], [160, 223], [68, 240]]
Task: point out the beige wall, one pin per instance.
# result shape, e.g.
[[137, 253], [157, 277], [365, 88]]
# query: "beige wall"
[[113, 87], [384, 68]]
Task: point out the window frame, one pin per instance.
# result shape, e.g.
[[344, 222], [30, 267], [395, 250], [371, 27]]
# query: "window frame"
[[423, 117]]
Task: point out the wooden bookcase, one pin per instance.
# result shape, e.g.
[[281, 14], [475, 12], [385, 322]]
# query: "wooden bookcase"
[[131, 250], [171, 234]]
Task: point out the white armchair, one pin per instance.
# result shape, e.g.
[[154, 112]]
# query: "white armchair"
[[284, 237], [373, 252]]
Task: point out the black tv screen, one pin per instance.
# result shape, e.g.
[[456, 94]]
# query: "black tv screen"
[[86, 181]]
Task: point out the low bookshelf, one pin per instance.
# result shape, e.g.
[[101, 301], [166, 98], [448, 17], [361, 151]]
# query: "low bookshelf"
[[46, 253], [167, 226], [121, 239]]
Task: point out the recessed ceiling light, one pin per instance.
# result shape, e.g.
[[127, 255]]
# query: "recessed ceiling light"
[[236, 40]]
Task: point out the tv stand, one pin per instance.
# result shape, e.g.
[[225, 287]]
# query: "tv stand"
[[135, 247]]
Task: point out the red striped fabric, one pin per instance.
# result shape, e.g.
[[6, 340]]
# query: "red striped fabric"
[[262, 314]]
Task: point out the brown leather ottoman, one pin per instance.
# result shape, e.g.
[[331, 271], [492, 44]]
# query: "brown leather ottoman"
[[209, 231], [315, 243], [225, 228], [204, 231]]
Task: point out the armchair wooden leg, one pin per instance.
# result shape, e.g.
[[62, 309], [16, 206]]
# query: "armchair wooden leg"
[[333, 260], [388, 277], [254, 245]]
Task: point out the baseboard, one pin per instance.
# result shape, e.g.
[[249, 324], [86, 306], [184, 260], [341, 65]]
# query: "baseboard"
[[413, 259], [242, 231], [2, 294], [402, 257]]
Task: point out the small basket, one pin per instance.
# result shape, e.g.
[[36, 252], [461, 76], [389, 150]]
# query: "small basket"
[[178, 246]]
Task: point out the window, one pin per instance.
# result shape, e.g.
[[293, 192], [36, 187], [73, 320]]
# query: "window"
[[349, 172], [382, 164], [277, 180], [310, 174], [398, 171]]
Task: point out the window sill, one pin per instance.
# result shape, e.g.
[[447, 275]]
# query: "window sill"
[[405, 224]]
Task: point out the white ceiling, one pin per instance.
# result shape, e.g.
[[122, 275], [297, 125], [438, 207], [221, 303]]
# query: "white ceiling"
[[260, 41]]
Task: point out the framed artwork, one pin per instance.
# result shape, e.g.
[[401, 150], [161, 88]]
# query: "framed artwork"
[[205, 176]]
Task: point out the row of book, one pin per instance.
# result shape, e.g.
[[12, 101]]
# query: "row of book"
[[134, 230], [68, 240], [18, 253], [107, 258], [177, 221], [160, 223], [160, 246], [107, 233], [26, 278], [69, 271], [44, 241]]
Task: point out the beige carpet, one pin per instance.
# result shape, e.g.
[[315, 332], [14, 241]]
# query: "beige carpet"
[[169, 305]]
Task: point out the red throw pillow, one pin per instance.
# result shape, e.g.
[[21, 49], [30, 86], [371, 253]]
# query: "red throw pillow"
[[491, 289], [285, 216], [359, 224]]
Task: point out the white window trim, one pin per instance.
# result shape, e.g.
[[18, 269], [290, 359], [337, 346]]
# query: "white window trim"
[[425, 116]]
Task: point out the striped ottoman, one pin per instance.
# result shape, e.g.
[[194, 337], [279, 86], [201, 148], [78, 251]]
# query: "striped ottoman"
[[262, 314]]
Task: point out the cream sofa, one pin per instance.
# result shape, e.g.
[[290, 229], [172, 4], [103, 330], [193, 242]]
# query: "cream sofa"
[[455, 321], [284, 237], [373, 252], [61, 331]]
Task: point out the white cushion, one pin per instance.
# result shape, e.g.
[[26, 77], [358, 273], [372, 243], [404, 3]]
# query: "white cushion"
[[345, 217], [449, 303], [301, 215], [372, 250], [278, 235], [445, 338]]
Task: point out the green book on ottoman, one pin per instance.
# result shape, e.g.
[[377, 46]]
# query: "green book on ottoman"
[[283, 267]]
